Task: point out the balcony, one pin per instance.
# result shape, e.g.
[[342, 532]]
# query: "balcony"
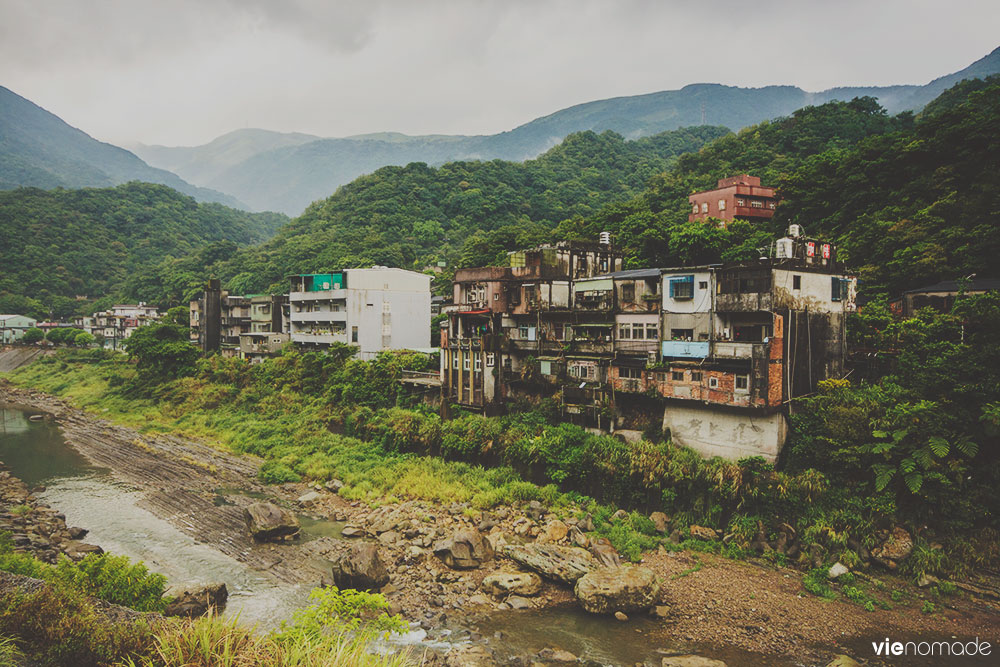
[[324, 295], [591, 302], [592, 346], [629, 385], [685, 349], [320, 316], [731, 350], [751, 212], [640, 347], [307, 338]]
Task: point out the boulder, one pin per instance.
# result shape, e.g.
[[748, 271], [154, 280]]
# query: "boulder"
[[578, 538], [897, 547], [660, 521], [836, 570], [76, 533], [268, 522], [604, 552], [690, 661], [352, 531], [309, 497], [464, 550], [586, 524], [552, 561], [470, 655], [556, 656], [626, 588], [501, 584], [518, 602], [334, 485], [80, 550], [198, 602], [360, 568], [554, 531], [702, 533]]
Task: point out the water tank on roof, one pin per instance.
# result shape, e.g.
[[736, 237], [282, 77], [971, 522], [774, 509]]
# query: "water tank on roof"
[[795, 231], [784, 248]]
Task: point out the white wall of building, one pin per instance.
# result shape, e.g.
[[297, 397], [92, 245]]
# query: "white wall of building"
[[731, 435]]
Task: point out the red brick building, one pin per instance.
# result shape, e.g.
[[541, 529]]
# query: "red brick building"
[[736, 198]]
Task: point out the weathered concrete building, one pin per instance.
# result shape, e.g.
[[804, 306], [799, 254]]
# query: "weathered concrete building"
[[502, 317], [711, 353], [269, 326], [12, 327], [117, 323], [736, 198], [377, 309]]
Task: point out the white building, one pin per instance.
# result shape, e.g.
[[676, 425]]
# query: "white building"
[[376, 309]]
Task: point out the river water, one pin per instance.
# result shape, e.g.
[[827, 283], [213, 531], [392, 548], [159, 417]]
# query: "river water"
[[91, 498]]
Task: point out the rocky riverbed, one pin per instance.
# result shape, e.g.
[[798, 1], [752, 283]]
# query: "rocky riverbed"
[[436, 564]]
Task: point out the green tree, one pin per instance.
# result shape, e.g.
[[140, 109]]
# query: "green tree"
[[161, 353], [33, 335], [83, 339]]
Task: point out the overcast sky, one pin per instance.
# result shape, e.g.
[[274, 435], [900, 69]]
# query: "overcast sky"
[[182, 72]]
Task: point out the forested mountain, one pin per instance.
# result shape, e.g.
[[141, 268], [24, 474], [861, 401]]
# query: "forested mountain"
[[38, 149], [467, 212], [272, 171], [910, 199], [61, 244]]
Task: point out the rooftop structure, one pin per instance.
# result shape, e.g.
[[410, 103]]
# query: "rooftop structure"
[[736, 198]]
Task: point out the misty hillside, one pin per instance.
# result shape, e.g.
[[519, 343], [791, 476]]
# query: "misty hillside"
[[286, 172], [39, 149]]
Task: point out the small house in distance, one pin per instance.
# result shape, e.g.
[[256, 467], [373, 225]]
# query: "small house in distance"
[[736, 198], [940, 296], [12, 327]]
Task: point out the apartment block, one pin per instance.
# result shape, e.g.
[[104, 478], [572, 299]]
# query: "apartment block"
[[376, 309], [713, 353]]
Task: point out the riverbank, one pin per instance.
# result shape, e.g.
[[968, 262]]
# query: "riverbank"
[[705, 601]]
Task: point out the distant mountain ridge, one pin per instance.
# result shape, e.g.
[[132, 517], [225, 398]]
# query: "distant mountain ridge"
[[38, 149], [286, 172]]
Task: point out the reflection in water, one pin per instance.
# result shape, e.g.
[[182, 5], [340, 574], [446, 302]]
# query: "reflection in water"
[[35, 451]]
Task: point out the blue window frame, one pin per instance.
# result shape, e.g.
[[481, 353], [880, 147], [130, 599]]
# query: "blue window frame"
[[682, 288]]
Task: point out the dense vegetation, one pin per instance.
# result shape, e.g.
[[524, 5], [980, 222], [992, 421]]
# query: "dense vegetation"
[[462, 212], [67, 622], [62, 244], [909, 200], [916, 443]]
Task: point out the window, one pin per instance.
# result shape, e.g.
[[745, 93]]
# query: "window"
[[722, 204], [625, 332], [704, 207], [695, 376], [491, 359], [702, 284], [756, 203], [741, 202], [479, 364], [354, 334], [522, 332], [713, 383], [604, 265], [796, 282], [838, 288], [630, 373], [496, 296], [681, 334], [677, 376], [628, 292], [682, 288], [558, 331], [771, 204], [742, 383], [652, 332], [466, 362], [694, 209]]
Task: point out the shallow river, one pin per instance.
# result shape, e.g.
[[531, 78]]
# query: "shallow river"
[[90, 498]]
